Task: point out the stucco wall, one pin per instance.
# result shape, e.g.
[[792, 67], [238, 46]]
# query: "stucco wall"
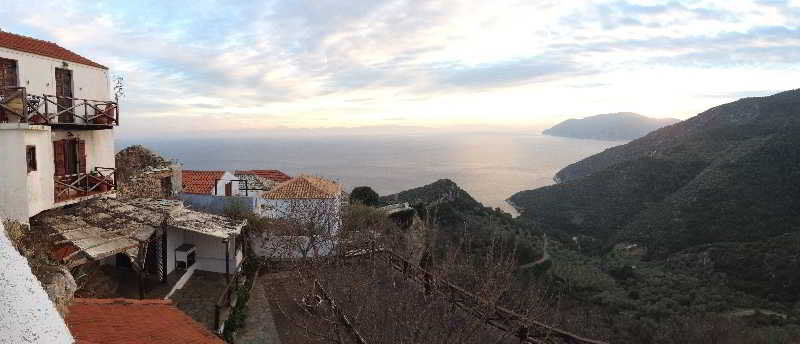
[[209, 251], [227, 177], [24, 194], [13, 176], [37, 74], [26, 313], [99, 145], [40, 182], [325, 211]]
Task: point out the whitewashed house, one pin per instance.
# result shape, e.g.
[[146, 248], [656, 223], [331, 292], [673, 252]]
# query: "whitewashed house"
[[216, 183], [255, 183], [311, 208], [56, 127]]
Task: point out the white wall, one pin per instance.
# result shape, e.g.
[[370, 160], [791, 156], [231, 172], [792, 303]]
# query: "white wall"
[[26, 313], [322, 211], [40, 182], [24, 194], [37, 74], [99, 145], [226, 178], [13, 175], [209, 251]]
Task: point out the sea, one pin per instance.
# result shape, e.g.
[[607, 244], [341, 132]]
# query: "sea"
[[490, 166]]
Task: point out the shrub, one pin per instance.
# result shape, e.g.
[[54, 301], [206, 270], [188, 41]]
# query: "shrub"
[[364, 195]]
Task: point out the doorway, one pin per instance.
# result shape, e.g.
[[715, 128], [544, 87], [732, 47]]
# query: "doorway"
[[64, 94], [8, 79]]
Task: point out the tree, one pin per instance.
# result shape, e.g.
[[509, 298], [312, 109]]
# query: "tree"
[[364, 195]]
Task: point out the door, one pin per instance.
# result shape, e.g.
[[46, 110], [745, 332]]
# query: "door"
[[8, 78], [229, 189], [64, 95]]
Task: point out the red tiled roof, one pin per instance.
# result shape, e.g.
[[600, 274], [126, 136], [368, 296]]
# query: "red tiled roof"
[[125, 321], [43, 48], [304, 187], [200, 182], [273, 175]]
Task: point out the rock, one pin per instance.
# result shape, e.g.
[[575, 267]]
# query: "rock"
[[59, 285]]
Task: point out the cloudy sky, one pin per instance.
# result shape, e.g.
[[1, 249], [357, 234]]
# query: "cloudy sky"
[[201, 66]]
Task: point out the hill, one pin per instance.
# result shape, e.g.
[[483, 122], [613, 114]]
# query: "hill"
[[620, 126], [722, 187]]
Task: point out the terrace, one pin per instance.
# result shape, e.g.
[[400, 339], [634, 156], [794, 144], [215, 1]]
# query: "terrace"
[[18, 106]]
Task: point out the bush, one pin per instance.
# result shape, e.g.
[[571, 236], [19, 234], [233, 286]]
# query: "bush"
[[364, 195]]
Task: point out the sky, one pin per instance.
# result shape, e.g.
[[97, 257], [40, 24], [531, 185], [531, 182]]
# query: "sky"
[[244, 67]]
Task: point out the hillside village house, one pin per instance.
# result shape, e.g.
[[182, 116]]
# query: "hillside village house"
[[216, 191], [57, 120], [216, 183], [56, 127], [313, 205], [257, 182]]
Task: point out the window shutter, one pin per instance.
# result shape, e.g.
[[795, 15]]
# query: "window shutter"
[[81, 156], [58, 156]]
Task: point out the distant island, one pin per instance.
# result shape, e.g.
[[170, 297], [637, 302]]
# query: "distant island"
[[620, 126]]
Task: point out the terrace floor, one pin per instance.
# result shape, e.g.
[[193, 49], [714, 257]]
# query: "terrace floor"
[[198, 296], [153, 288]]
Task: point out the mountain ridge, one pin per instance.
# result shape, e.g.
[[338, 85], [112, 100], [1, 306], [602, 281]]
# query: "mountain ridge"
[[728, 177], [619, 126]]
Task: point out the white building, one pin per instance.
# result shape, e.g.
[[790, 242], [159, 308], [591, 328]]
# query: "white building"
[[311, 208], [28, 315], [56, 127], [255, 183], [216, 183]]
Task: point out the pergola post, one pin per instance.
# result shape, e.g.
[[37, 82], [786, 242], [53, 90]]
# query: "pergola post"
[[227, 260]]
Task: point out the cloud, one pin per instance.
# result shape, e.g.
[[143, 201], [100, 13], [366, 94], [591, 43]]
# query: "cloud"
[[504, 74], [325, 62]]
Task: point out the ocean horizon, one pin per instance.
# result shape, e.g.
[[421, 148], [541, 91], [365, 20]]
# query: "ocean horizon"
[[490, 166]]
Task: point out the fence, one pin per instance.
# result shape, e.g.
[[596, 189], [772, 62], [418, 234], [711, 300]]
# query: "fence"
[[527, 330]]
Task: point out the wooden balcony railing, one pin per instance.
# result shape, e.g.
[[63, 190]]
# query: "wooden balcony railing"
[[78, 185], [15, 102]]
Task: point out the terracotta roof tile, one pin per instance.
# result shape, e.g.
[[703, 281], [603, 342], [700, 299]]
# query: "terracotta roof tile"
[[200, 182], [125, 321], [273, 175], [43, 48], [305, 187]]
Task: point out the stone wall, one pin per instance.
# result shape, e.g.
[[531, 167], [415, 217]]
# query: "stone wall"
[[148, 185], [143, 173]]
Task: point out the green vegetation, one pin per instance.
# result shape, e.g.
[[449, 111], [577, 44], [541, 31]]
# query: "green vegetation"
[[714, 198], [619, 291], [364, 195]]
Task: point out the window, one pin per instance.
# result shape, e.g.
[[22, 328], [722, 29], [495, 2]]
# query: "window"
[[30, 154], [69, 157]]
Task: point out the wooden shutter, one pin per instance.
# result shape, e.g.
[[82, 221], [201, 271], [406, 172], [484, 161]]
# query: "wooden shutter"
[[229, 189], [81, 156], [59, 159]]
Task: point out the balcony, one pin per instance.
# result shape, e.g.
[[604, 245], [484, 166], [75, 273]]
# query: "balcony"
[[17, 106], [82, 185]]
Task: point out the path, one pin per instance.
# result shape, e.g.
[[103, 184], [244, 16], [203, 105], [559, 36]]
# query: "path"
[[545, 256], [259, 327]]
